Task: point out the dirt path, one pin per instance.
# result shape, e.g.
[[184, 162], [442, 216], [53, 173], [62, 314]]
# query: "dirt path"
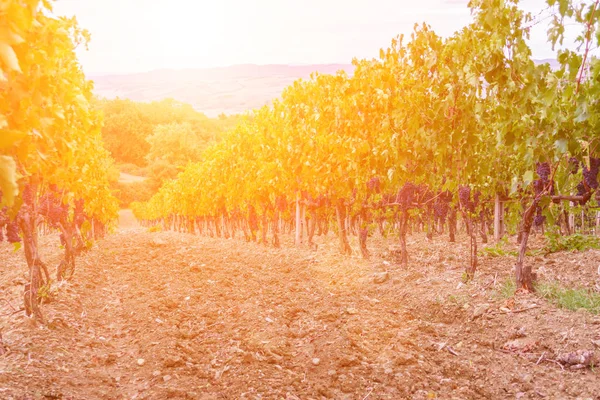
[[167, 315], [127, 220], [128, 178]]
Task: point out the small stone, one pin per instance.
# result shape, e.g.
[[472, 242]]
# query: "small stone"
[[156, 373], [141, 361], [351, 310], [526, 378], [316, 361], [173, 362], [166, 378], [381, 277], [156, 242], [480, 309]]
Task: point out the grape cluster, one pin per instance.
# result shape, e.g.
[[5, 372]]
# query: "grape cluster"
[[476, 198], [464, 197], [539, 218], [538, 186], [12, 232], [442, 205], [79, 213], [52, 209], [406, 195], [424, 195], [543, 170], [28, 195], [374, 185], [590, 176], [3, 218], [582, 190], [573, 165]]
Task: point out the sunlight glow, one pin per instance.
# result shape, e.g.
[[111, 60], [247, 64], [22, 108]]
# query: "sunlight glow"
[[135, 35]]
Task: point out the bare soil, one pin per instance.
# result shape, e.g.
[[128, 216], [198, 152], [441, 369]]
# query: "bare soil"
[[170, 315]]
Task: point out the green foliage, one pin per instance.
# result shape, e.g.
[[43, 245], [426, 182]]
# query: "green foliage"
[[497, 250], [160, 171], [127, 193], [576, 242], [507, 289], [177, 143], [570, 298], [155, 228], [131, 128]]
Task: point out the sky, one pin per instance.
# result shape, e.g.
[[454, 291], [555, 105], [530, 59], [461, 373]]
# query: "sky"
[[142, 35]]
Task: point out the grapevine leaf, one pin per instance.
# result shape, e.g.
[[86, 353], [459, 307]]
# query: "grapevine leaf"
[[9, 58], [528, 177], [8, 180], [10, 137]]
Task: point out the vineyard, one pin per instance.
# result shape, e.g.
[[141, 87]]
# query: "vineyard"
[[427, 227]]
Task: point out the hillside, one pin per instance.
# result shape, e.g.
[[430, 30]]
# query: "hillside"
[[213, 91]]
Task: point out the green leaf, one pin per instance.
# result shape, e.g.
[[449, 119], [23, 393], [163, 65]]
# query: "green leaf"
[[561, 145], [528, 177]]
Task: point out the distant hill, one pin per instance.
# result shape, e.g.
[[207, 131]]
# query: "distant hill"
[[213, 91]]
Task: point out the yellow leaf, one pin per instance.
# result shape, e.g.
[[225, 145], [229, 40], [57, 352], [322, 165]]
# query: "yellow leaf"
[[8, 180], [9, 58], [9, 137]]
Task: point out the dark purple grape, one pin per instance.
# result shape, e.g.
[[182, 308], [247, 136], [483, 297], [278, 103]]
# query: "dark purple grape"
[[539, 220], [582, 191], [543, 170], [4, 219], [12, 232], [79, 213], [464, 195], [441, 206], [591, 175], [28, 195], [52, 209], [538, 186], [406, 195], [374, 185]]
